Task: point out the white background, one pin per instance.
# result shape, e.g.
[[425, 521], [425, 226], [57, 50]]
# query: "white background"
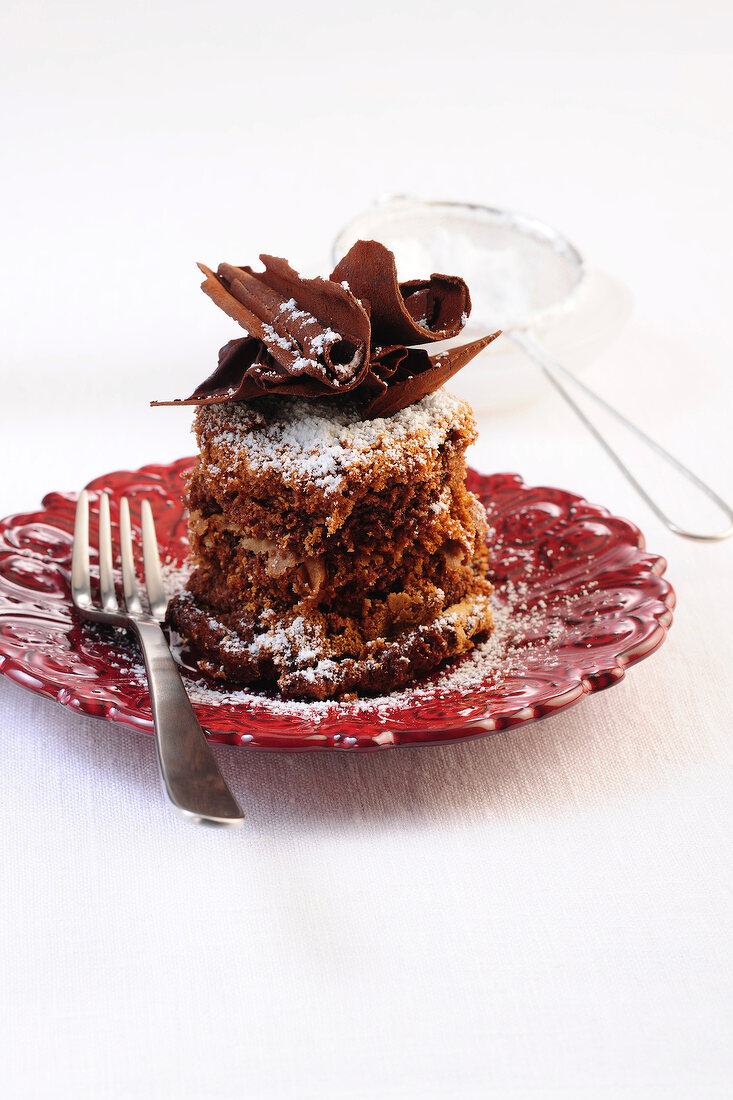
[[542, 913]]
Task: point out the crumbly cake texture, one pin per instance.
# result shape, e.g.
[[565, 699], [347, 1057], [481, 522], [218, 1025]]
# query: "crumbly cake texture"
[[334, 556]]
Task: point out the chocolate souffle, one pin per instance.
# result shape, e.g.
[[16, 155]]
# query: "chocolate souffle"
[[336, 549]]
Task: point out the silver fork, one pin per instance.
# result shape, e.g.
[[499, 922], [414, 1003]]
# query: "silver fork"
[[190, 774]]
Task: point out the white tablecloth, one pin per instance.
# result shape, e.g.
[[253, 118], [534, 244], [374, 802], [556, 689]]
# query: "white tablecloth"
[[545, 912]]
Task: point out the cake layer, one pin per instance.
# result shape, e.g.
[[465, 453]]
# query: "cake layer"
[[307, 526], [297, 470], [381, 609], [306, 658], [439, 547]]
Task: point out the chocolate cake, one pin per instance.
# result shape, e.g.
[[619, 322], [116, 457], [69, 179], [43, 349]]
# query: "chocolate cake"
[[336, 549]]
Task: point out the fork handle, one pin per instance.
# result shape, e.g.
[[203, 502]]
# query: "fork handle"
[[190, 773]]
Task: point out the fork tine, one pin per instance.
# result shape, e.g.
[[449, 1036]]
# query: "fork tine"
[[81, 589], [129, 581], [151, 558], [106, 574]]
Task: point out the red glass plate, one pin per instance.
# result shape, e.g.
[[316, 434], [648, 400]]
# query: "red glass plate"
[[592, 603]]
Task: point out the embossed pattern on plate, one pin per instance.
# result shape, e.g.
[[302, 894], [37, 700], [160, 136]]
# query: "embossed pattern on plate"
[[556, 545]]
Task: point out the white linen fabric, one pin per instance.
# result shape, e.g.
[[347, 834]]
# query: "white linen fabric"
[[543, 912]]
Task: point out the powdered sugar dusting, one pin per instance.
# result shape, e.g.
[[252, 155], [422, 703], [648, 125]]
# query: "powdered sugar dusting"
[[526, 632], [510, 650], [319, 343], [504, 653]]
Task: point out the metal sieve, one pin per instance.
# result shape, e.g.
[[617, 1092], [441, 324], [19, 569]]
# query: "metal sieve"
[[525, 278]]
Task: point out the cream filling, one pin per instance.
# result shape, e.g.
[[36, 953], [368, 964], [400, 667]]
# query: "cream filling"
[[316, 571], [455, 553], [280, 561]]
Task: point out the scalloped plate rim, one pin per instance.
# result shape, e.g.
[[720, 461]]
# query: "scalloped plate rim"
[[508, 717]]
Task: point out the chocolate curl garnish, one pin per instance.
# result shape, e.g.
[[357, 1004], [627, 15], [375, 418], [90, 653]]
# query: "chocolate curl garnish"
[[415, 312], [416, 375], [313, 338], [310, 327]]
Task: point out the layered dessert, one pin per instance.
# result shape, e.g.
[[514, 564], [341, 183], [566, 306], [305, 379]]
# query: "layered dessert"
[[336, 550]]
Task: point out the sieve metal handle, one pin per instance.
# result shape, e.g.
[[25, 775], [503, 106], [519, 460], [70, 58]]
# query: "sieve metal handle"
[[551, 369]]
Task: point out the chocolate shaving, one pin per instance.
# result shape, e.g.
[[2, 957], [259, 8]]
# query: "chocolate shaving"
[[419, 374], [310, 327], [315, 338], [415, 312]]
